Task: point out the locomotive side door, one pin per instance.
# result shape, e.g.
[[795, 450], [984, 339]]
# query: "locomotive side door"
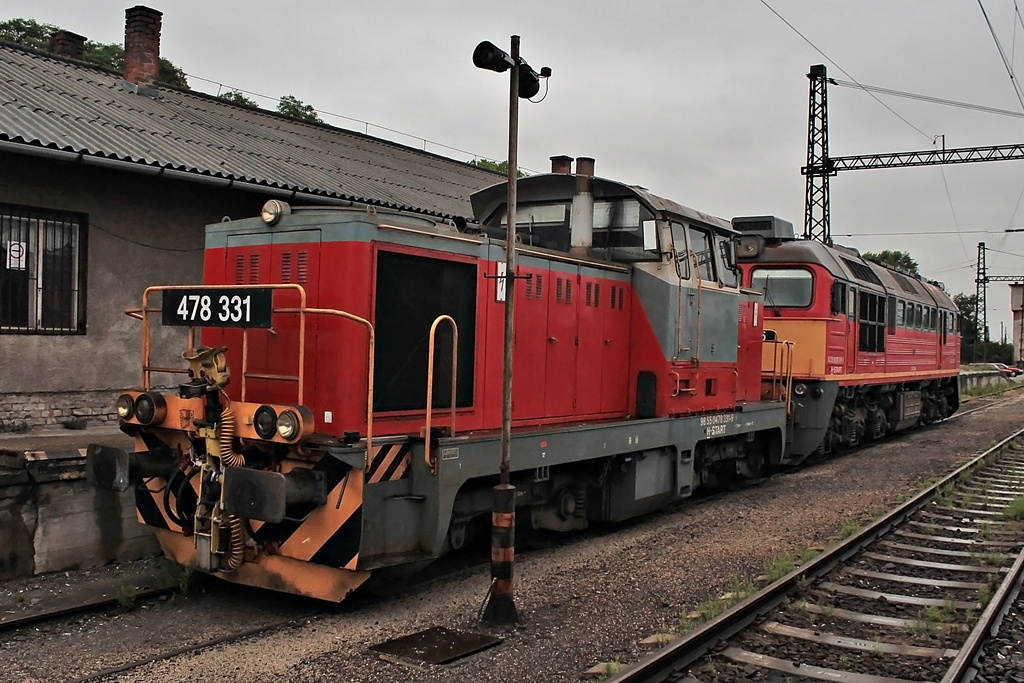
[[531, 337], [852, 333], [590, 343], [562, 341], [686, 308]]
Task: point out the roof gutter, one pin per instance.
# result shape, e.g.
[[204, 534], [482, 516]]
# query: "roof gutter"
[[67, 156]]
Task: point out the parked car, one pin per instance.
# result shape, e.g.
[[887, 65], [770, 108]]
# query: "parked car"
[[1009, 370]]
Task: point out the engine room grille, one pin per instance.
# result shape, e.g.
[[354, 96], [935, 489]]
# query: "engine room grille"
[[286, 267], [861, 272], [905, 283]]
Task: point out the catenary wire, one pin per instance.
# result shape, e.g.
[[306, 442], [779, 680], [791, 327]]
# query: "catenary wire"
[[1002, 54], [845, 73], [927, 98]]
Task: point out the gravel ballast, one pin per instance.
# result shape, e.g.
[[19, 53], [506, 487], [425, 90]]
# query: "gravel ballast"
[[584, 602]]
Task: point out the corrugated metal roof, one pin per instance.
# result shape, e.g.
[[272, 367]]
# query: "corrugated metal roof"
[[50, 102]]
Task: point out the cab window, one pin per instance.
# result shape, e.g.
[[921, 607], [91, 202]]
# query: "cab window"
[[730, 273], [679, 244], [790, 287], [703, 253]]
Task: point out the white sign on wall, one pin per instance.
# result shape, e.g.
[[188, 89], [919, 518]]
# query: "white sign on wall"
[[17, 255], [500, 282]]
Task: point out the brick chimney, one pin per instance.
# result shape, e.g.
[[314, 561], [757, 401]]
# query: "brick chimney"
[[561, 164], [141, 45], [67, 44]]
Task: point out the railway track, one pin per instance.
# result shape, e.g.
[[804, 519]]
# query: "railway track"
[[912, 597], [72, 604]]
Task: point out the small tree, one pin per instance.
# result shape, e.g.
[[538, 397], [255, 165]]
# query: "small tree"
[[900, 260], [289, 105], [27, 32], [499, 166], [237, 97]]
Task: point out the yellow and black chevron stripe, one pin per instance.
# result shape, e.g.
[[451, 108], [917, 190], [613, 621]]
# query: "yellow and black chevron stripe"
[[389, 462], [326, 534]]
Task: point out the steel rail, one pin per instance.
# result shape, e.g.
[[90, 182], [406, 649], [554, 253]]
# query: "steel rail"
[[964, 665], [10, 623], [687, 649]]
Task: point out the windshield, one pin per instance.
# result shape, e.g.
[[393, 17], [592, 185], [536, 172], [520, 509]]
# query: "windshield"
[[784, 286]]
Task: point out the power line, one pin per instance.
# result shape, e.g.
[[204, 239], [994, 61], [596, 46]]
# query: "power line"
[[1008, 253], [1006, 63], [923, 232], [927, 98], [833, 63]]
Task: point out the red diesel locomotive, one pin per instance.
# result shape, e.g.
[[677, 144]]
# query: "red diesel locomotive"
[[342, 415], [876, 350]]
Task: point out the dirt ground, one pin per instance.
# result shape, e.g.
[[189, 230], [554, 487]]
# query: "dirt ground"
[[586, 601]]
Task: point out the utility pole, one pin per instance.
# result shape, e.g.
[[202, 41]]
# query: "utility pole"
[[980, 303], [524, 82]]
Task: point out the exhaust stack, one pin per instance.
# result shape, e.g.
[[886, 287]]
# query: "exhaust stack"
[[581, 220]]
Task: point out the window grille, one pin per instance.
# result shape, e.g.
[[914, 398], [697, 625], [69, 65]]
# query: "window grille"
[[42, 270]]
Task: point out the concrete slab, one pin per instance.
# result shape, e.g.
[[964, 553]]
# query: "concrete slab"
[[58, 439]]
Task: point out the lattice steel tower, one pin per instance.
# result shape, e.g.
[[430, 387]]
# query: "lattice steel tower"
[[981, 296], [819, 167]]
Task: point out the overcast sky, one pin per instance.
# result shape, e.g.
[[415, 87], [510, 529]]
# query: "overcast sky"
[[703, 102]]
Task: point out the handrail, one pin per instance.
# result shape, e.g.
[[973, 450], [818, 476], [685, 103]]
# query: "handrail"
[[144, 312], [369, 364], [143, 315], [781, 371], [431, 462]]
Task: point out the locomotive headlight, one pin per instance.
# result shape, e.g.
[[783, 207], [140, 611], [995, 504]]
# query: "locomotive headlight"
[[288, 425], [800, 389], [265, 422], [125, 407], [150, 408], [273, 210]]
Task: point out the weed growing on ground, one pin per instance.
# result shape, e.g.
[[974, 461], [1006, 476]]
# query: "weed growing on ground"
[[75, 422], [1015, 510], [127, 596], [13, 427], [779, 567], [849, 528], [611, 668]]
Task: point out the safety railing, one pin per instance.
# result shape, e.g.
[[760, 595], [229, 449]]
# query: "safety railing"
[[778, 374], [427, 453], [301, 310]]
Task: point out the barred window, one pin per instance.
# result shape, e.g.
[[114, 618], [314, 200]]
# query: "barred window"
[[42, 271]]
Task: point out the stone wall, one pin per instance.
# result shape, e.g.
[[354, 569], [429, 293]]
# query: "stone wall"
[[53, 520], [56, 408]]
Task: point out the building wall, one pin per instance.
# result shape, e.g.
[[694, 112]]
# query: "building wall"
[[142, 230]]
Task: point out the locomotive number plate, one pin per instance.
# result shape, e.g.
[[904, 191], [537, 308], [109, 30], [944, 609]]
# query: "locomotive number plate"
[[248, 307]]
